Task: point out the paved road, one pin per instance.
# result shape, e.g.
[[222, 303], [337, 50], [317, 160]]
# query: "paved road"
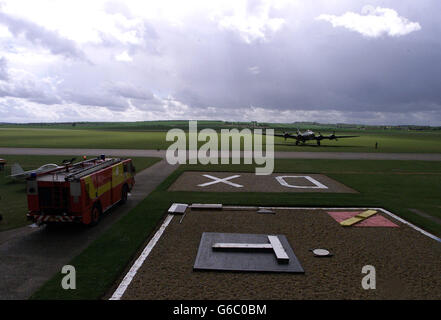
[[278, 154], [31, 256]]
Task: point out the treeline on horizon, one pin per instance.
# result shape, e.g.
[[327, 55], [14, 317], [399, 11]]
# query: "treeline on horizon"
[[162, 125]]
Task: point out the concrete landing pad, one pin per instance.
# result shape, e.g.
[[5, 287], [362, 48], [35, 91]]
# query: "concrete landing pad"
[[243, 260], [249, 182]]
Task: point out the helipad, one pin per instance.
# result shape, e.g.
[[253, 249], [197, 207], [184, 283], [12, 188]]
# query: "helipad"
[[249, 182], [407, 259]]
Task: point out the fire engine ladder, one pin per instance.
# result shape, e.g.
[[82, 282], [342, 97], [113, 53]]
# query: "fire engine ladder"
[[95, 168]]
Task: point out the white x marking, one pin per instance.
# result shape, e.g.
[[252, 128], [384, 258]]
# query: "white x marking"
[[223, 180]]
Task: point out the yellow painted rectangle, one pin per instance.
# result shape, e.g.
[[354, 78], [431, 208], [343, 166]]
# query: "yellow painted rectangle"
[[351, 221], [358, 218], [366, 214]]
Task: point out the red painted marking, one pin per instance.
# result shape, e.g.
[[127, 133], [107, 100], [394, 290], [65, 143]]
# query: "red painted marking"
[[374, 221]]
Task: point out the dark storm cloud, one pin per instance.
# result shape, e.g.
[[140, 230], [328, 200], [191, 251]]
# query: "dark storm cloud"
[[99, 99], [27, 88], [141, 98], [317, 68], [314, 67], [127, 90]]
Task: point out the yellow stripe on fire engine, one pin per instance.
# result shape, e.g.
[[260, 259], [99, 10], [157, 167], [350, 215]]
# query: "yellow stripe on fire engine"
[[96, 192], [117, 178], [118, 174]]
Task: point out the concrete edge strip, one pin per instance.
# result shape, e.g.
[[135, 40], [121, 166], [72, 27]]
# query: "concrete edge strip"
[[138, 263], [379, 209], [410, 225]]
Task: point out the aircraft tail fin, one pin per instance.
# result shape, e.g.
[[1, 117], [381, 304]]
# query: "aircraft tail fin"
[[16, 169]]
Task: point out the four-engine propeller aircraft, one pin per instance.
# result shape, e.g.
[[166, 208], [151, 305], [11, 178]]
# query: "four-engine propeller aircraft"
[[310, 135]]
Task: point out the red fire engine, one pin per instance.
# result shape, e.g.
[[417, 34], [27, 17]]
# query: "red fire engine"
[[79, 192]]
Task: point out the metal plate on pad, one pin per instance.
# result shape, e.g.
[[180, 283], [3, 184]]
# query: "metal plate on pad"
[[265, 211], [177, 208], [246, 252], [321, 253]]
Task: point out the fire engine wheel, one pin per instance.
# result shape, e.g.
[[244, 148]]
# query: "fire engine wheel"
[[95, 215], [124, 192]]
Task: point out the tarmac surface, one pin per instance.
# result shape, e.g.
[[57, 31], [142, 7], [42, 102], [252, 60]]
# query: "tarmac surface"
[[31, 256], [277, 154]]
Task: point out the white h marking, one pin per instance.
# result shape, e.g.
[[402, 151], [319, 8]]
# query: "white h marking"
[[275, 245], [223, 180]]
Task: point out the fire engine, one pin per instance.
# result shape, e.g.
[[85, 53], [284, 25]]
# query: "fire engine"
[[79, 192]]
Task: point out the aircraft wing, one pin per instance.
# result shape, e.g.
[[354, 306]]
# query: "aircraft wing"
[[283, 135], [17, 172], [22, 175], [286, 135], [333, 137]]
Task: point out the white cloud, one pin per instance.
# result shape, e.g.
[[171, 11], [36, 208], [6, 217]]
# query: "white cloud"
[[373, 22], [123, 57], [251, 20], [254, 70]]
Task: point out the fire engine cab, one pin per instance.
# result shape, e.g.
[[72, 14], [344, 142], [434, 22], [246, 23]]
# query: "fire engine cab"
[[79, 192]]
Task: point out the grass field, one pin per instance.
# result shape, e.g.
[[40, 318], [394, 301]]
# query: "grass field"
[[393, 185], [393, 141], [13, 202]]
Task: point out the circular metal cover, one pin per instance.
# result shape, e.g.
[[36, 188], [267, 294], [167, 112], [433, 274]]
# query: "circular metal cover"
[[321, 252]]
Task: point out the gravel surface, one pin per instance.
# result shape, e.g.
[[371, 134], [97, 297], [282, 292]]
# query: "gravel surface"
[[189, 181], [407, 263]]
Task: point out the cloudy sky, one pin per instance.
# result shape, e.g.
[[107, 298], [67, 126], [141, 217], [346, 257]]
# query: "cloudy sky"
[[376, 62]]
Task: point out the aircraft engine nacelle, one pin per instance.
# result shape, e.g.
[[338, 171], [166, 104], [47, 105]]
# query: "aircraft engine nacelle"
[[332, 136]]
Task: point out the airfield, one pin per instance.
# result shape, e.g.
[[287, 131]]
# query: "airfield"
[[401, 179], [151, 137]]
